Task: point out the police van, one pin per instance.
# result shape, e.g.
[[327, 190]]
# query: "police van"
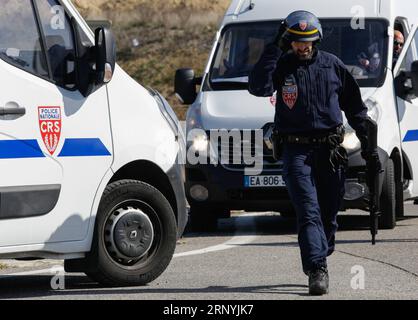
[[89, 169], [354, 31]]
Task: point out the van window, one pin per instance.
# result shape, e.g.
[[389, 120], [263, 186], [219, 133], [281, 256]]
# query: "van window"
[[59, 41], [411, 55], [242, 44], [20, 41]]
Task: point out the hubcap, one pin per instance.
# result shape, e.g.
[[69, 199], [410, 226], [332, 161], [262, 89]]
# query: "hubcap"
[[129, 235]]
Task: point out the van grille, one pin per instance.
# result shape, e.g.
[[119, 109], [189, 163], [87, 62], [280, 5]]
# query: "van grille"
[[240, 153]]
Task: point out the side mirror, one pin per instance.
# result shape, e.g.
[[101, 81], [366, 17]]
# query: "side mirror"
[[414, 77], [406, 83], [105, 47], [185, 85], [95, 64]]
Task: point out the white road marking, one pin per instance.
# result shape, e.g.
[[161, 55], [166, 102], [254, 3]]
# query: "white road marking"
[[236, 241], [230, 244], [52, 270]]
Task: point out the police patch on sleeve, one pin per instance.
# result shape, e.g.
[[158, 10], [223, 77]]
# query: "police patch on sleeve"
[[290, 92]]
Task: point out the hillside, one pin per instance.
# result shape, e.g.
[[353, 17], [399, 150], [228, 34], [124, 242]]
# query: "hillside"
[[157, 37]]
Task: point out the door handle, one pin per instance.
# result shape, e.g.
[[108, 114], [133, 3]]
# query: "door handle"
[[12, 108]]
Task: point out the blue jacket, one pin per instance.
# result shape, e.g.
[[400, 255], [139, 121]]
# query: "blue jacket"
[[310, 94]]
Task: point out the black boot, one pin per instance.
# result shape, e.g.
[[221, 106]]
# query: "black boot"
[[319, 282]]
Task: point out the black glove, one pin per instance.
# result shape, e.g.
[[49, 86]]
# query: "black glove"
[[338, 158], [279, 41]]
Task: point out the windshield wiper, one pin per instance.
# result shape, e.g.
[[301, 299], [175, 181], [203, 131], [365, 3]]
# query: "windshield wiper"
[[19, 61]]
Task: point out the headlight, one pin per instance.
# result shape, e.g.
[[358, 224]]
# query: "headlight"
[[194, 118], [351, 142], [374, 109], [200, 142], [196, 136]]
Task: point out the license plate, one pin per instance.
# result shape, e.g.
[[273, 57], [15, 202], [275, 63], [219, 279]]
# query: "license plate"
[[264, 181]]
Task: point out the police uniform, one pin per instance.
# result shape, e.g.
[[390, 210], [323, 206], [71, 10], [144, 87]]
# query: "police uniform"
[[310, 97]]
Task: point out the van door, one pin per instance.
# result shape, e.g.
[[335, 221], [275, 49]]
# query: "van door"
[[408, 108], [55, 144]]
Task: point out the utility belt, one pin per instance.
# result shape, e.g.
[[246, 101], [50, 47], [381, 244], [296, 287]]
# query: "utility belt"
[[333, 139], [304, 140]]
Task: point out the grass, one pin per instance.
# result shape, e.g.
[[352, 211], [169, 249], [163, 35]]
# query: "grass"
[[161, 52], [171, 35]]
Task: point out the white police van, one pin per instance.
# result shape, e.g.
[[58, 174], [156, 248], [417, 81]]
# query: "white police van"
[[88, 157], [353, 30]]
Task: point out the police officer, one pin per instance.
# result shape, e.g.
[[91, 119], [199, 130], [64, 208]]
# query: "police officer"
[[398, 43], [312, 87]]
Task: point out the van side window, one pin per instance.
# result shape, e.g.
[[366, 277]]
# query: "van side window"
[[59, 41], [411, 55], [20, 41]]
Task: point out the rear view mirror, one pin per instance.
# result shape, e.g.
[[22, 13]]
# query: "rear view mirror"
[[185, 85]]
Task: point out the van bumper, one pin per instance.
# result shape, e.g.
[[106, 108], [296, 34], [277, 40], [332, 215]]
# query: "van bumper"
[[226, 190]]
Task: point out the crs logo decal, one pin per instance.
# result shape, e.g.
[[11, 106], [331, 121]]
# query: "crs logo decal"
[[50, 126], [290, 92]]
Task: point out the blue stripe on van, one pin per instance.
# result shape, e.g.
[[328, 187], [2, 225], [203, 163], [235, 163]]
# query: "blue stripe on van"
[[411, 135], [84, 148], [20, 149]]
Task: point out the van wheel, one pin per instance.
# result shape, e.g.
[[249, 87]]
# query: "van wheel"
[[203, 219], [388, 198], [135, 235]]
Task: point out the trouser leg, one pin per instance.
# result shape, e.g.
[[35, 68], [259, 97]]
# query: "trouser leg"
[[330, 187], [299, 178]]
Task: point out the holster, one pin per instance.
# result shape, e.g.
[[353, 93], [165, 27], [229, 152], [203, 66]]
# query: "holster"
[[338, 154]]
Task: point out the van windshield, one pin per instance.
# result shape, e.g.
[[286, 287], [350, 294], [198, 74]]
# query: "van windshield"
[[364, 51]]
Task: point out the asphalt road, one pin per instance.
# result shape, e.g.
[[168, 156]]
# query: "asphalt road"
[[251, 257]]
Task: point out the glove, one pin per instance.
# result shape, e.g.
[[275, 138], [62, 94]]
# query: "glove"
[[338, 158], [279, 41]]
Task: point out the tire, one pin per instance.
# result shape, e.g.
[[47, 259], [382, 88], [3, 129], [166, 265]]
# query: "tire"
[[135, 205], [388, 198], [203, 219], [399, 185]]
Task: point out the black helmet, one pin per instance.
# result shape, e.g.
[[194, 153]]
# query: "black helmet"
[[301, 26]]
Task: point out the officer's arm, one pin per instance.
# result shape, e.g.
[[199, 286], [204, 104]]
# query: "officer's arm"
[[261, 81], [351, 102]]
